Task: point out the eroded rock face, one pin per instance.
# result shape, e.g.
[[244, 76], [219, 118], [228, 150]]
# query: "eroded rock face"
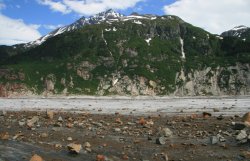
[[84, 74], [84, 70], [50, 82], [13, 89], [123, 85], [233, 80]]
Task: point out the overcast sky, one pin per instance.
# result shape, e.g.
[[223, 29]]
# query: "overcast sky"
[[26, 20]]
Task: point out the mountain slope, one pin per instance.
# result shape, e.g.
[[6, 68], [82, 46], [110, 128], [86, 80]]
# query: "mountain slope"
[[134, 55], [108, 16]]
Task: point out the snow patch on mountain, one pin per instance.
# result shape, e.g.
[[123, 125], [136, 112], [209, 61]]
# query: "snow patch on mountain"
[[148, 40], [137, 22], [242, 27]]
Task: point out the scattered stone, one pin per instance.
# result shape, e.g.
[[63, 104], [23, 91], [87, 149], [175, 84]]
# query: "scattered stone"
[[246, 154], [86, 145], [118, 120], [50, 114], [44, 135], [150, 138], [166, 157], [227, 133], [56, 128], [187, 124], [206, 114], [21, 123], [136, 141], [100, 158], [88, 150], [142, 121], [150, 122], [214, 140], [221, 138], [147, 126], [97, 124], [241, 136], [74, 148], [58, 146], [246, 118], [3, 113], [4, 136], [167, 132], [69, 139], [17, 136], [225, 146], [125, 157], [130, 123], [32, 121], [216, 110], [161, 140], [36, 157], [70, 119], [239, 126], [221, 117], [58, 124], [69, 125], [117, 129], [60, 119]]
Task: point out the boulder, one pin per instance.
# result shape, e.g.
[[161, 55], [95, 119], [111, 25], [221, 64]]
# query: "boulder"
[[32, 121], [246, 118], [60, 119], [214, 140], [242, 135], [74, 148], [100, 158], [167, 132], [36, 157], [86, 145], [50, 114], [239, 126], [161, 140]]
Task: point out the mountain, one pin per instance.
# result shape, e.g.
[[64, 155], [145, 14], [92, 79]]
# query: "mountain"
[[113, 54], [108, 16], [237, 40], [241, 31]]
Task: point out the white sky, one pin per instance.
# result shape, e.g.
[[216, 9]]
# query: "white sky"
[[215, 16]]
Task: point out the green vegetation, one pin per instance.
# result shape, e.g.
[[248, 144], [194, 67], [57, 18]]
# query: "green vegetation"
[[158, 61]]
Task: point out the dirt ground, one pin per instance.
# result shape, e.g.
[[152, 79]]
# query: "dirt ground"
[[119, 137]]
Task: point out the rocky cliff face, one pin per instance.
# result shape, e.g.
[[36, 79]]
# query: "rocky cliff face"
[[130, 55], [233, 80]]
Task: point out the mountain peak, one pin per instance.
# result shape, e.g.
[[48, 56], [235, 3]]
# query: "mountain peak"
[[236, 31], [109, 14], [241, 27]]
